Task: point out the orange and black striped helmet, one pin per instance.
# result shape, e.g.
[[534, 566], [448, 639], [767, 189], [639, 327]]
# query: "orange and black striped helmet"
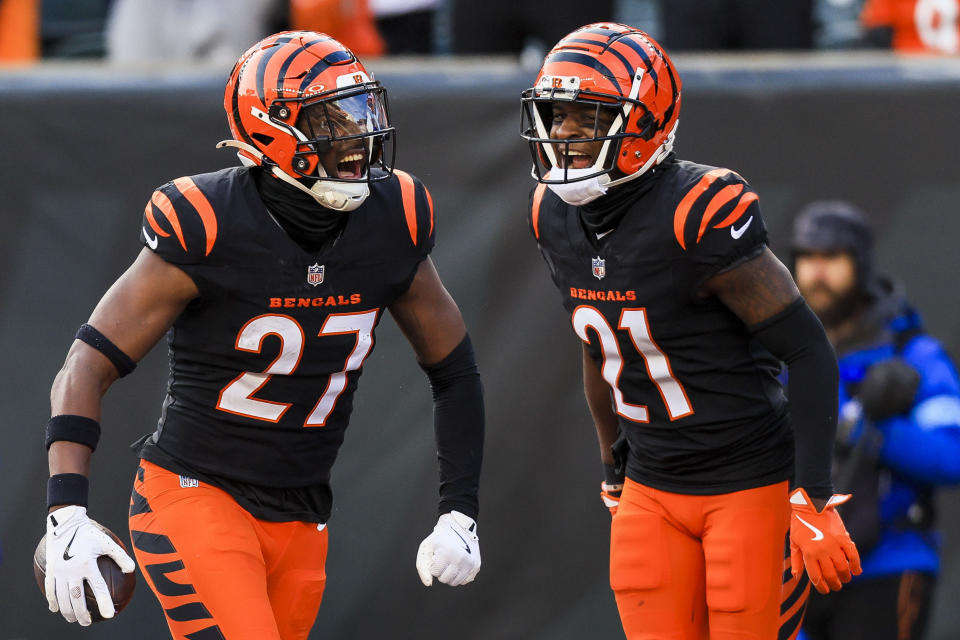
[[607, 66], [302, 103]]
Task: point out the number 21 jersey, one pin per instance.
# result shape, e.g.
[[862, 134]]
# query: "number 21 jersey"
[[697, 399]]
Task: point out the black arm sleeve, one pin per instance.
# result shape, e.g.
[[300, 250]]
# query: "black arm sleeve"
[[458, 423], [796, 337]]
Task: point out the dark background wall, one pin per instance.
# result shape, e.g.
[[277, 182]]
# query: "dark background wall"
[[82, 148]]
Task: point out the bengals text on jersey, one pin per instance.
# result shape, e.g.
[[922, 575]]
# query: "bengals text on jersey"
[[265, 362], [697, 399]]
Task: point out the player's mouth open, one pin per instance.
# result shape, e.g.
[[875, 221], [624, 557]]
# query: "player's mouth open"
[[350, 165], [574, 159]]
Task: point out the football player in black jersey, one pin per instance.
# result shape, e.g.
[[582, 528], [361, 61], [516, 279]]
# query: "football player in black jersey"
[[685, 316], [268, 280]]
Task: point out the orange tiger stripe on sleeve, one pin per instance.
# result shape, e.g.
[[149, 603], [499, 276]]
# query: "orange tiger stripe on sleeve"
[[166, 208], [683, 209], [535, 213], [407, 190], [429, 202], [148, 214], [192, 193], [738, 210], [722, 197]]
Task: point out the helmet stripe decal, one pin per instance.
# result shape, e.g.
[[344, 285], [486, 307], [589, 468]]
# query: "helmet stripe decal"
[[626, 63], [282, 73], [235, 110], [262, 66], [643, 54], [673, 81], [585, 60], [192, 193], [336, 57], [317, 69], [610, 34], [593, 43]]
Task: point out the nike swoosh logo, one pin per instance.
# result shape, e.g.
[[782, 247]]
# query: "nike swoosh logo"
[[152, 242], [736, 233], [604, 234], [817, 534], [66, 552], [465, 545]]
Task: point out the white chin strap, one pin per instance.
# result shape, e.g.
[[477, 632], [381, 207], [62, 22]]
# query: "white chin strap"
[[339, 196], [580, 192]]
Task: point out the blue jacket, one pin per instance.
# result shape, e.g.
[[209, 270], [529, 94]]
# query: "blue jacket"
[[920, 450]]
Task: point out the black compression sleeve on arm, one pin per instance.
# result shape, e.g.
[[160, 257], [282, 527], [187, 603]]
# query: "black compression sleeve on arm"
[[796, 337], [458, 422]]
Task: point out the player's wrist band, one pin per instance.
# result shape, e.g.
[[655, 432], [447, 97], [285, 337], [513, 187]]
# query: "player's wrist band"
[[72, 428], [67, 488], [89, 334]]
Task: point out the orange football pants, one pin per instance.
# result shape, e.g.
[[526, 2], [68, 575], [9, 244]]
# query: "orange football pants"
[[218, 572], [688, 567]]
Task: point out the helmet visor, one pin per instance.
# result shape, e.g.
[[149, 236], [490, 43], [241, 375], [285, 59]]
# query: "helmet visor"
[[347, 132]]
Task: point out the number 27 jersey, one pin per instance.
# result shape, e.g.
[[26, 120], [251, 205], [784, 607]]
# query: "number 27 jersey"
[[696, 398], [264, 363]]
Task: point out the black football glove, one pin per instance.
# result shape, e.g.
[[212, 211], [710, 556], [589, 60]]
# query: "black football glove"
[[888, 389]]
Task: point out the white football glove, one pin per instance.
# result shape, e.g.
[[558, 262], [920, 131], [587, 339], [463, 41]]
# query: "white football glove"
[[451, 553], [74, 542]]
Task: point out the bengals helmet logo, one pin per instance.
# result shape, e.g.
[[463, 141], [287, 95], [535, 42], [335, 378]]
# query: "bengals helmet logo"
[[557, 83], [357, 78]]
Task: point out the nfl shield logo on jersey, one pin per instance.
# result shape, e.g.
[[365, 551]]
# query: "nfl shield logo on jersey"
[[315, 274], [599, 267]]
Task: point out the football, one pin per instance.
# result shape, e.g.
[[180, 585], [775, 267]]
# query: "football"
[[121, 585]]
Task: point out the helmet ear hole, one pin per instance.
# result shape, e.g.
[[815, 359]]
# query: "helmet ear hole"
[[262, 138]]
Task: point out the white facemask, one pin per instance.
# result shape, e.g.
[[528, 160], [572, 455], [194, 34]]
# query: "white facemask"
[[581, 192], [339, 196]]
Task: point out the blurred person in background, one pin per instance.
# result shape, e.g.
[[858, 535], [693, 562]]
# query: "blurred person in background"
[[269, 281], [508, 26], [683, 315], [837, 24], [349, 21], [899, 433], [406, 26], [172, 31], [914, 26], [19, 30], [719, 25]]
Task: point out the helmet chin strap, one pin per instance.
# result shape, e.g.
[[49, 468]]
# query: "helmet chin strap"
[[339, 196], [581, 192]]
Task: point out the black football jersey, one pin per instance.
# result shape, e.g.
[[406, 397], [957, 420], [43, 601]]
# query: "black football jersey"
[[697, 399], [265, 362]]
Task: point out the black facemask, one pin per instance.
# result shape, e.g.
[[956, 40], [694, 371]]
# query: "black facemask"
[[306, 221]]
